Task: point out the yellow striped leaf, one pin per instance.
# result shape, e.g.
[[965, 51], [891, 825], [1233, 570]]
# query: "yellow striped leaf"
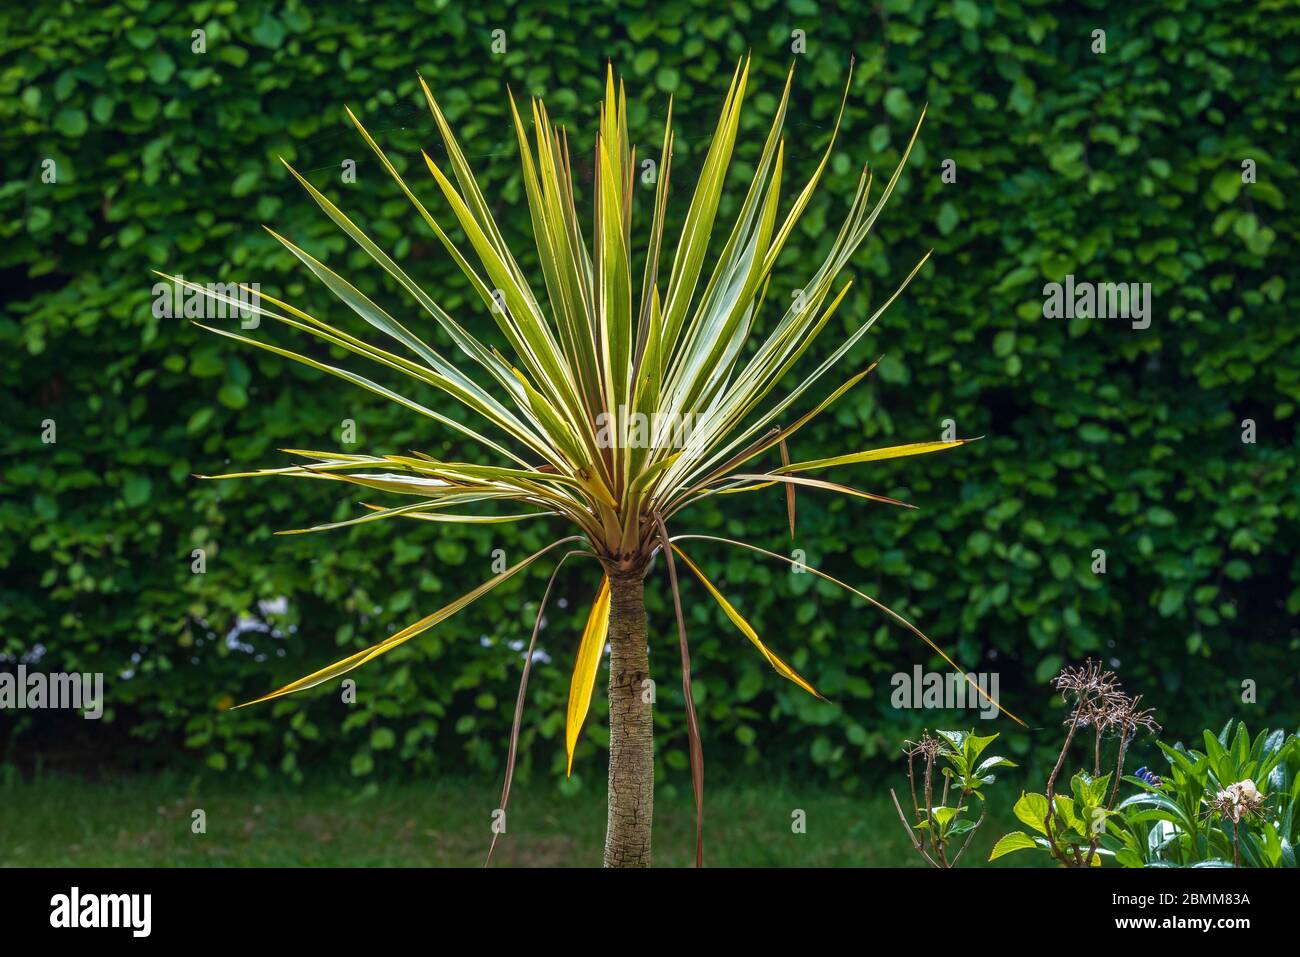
[[739, 621], [584, 670]]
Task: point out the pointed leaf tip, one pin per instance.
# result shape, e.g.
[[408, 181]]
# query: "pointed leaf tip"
[[775, 660]]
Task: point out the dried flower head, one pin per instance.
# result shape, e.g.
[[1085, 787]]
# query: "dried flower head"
[[928, 747], [1238, 801], [1123, 718], [1086, 680], [1096, 694]]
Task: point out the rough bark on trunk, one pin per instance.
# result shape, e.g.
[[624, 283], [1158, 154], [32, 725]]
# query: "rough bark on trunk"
[[631, 729]]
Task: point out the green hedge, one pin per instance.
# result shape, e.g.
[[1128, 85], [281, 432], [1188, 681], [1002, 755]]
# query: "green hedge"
[[1117, 167]]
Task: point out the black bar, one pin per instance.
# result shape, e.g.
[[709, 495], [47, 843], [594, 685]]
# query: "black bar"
[[238, 906]]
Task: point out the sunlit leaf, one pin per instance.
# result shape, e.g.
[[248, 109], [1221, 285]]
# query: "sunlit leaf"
[[583, 681]]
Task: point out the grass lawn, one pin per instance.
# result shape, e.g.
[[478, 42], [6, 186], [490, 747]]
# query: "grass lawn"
[[145, 821]]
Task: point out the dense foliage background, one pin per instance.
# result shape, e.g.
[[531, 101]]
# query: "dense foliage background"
[[1117, 167]]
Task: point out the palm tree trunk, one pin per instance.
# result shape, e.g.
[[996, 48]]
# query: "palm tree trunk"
[[631, 728]]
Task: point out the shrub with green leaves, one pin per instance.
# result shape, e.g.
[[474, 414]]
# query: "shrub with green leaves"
[[935, 825], [1078, 819], [1235, 803]]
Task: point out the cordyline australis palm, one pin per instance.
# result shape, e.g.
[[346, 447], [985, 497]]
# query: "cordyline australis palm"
[[601, 365]]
